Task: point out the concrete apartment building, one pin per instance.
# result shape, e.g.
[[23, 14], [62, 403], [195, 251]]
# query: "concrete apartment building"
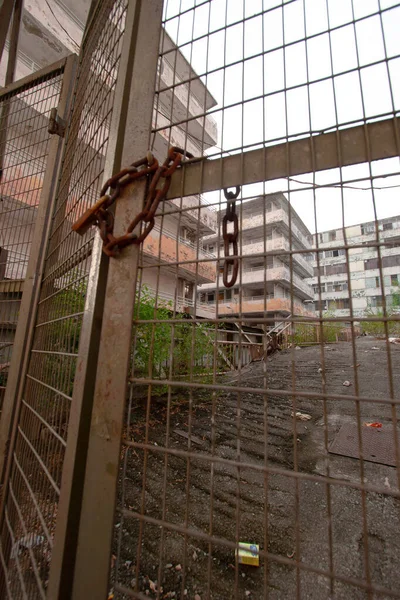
[[264, 216], [331, 276], [42, 42]]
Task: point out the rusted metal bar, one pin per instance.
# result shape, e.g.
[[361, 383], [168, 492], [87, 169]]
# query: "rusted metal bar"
[[270, 162], [13, 49], [93, 559], [6, 10]]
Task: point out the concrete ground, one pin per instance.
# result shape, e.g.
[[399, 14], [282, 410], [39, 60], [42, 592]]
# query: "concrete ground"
[[302, 522]]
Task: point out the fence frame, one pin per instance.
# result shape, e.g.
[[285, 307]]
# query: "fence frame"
[[32, 282]]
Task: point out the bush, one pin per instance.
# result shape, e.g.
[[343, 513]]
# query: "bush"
[[182, 347], [307, 333]]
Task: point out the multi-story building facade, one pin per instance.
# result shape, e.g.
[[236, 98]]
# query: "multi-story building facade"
[[42, 42], [266, 278], [330, 281]]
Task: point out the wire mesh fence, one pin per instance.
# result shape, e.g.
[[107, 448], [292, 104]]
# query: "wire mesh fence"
[[33, 482], [254, 448], [24, 144], [261, 423]]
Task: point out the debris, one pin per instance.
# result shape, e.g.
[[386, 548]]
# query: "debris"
[[195, 555], [301, 416], [133, 582], [197, 597], [346, 383], [248, 554], [374, 348], [185, 592], [320, 370], [386, 482], [153, 585], [247, 593], [290, 555], [113, 559], [168, 566], [355, 366], [128, 564], [297, 348], [110, 595], [393, 340], [375, 424], [178, 568], [27, 541], [193, 438]]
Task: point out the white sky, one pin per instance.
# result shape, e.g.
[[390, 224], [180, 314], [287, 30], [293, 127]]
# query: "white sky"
[[339, 99]]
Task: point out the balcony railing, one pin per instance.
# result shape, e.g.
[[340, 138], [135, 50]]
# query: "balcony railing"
[[177, 302]]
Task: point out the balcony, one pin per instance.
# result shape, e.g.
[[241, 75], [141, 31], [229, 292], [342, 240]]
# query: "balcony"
[[166, 248], [202, 218], [258, 304], [272, 218], [181, 304], [257, 275], [250, 247]]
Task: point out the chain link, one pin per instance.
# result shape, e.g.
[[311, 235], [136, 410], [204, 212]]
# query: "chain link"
[[230, 238], [100, 215]]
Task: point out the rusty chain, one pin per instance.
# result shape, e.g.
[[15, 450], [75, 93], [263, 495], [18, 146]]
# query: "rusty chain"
[[230, 238], [100, 215]]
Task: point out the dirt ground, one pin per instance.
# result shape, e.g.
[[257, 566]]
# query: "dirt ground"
[[287, 519]]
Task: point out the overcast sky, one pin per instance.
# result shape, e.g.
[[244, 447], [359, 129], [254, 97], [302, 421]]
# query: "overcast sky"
[[269, 115]]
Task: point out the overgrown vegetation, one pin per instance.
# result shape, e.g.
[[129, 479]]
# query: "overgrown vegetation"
[[163, 347], [160, 347], [377, 328], [308, 333]]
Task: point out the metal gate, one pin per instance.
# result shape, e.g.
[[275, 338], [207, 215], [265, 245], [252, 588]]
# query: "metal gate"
[[208, 408], [24, 149]]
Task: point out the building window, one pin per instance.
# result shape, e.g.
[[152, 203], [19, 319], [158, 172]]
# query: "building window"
[[331, 236], [339, 304], [188, 290], [394, 280], [335, 269], [211, 248], [375, 301], [372, 282], [228, 294], [319, 271], [371, 263], [317, 288], [387, 226], [391, 261], [369, 228]]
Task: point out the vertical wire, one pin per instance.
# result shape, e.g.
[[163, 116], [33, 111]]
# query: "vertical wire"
[[214, 395], [293, 361], [389, 356], [322, 350], [265, 313]]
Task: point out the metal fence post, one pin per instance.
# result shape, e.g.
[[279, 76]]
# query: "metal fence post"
[[24, 331], [96, 524], [142, 24]]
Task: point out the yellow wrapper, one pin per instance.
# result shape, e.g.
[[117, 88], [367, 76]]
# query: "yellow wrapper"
[[248, 554]]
